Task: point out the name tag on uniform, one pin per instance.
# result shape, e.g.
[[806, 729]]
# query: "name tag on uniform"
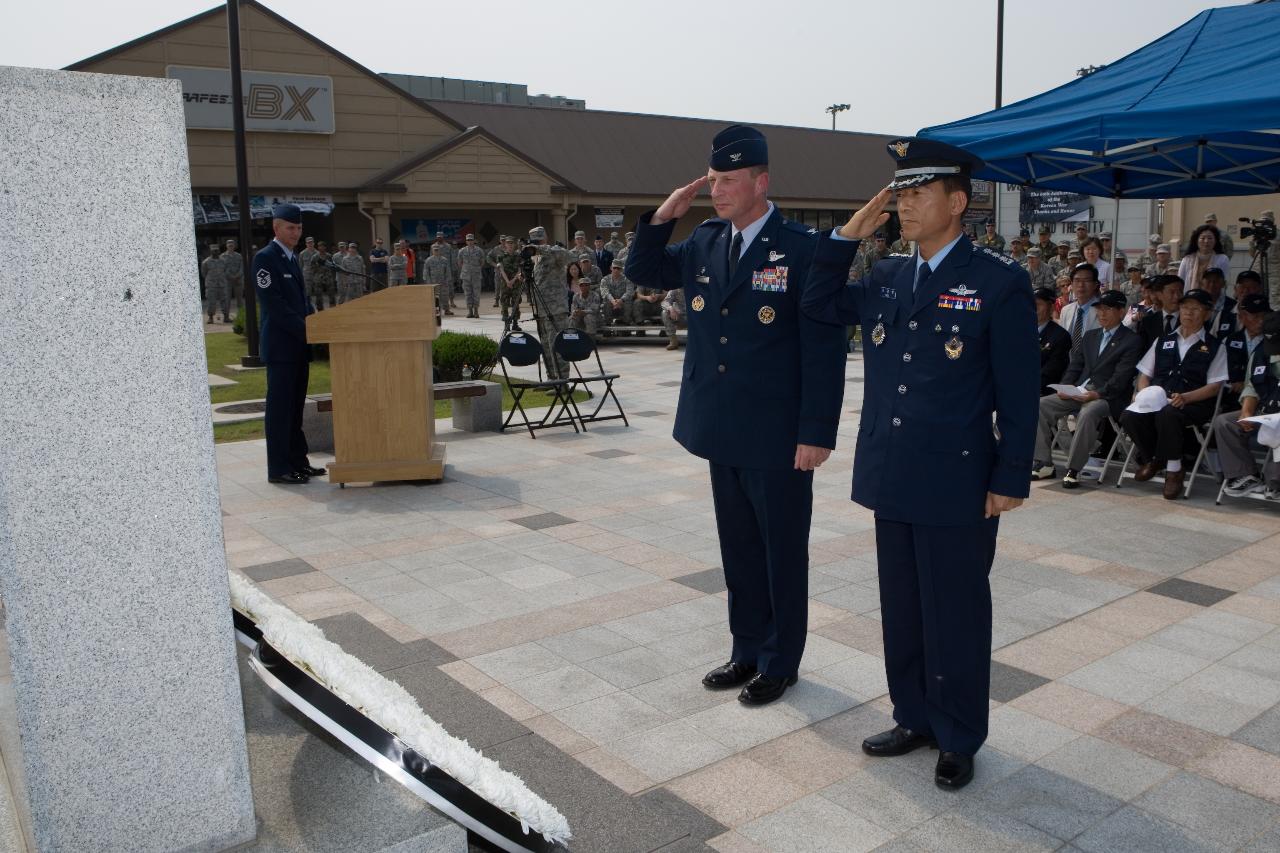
[[702, 279], [771, 280], [1168, 345], [288, 275]]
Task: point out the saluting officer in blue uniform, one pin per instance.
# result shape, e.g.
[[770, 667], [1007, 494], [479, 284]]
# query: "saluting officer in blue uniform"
[[283, 340], [951, 335], [760, 397]]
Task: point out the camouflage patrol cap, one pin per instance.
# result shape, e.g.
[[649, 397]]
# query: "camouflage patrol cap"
[[1044, 229], [1163, 247], [631, 233], [1033, 252], [471, 238], [577, 234], [537, 232], [1154, 239], [617, 264], [1074, 253], [613, 235], [342, 244]]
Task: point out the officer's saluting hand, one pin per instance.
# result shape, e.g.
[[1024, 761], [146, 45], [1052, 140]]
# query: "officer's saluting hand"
[[951, 340]]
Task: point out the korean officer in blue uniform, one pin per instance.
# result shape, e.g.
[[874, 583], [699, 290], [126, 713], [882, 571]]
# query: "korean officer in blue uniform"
[[283, 341], [952, 342], [760, 397]]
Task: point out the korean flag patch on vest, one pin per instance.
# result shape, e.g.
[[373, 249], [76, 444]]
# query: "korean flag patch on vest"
[[264, 279]]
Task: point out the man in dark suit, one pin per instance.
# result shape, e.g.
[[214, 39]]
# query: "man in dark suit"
[[1055, 341], [602, 256], [1105, 365], [952, 342], [285, 306], [1167, 319], [760, 397]]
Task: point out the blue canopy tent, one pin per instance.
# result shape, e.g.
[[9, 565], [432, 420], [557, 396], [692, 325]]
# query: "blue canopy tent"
[[1194, 113]]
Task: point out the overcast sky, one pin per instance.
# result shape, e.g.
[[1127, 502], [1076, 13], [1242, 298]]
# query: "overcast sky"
[[933, 61]]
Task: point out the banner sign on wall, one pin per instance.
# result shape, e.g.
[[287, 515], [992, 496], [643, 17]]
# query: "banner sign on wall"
[[609, 217], [425, 230], [982, 193], [284, 103], [1037, 205], [226, 207]]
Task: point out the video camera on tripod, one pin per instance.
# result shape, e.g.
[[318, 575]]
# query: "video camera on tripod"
[[1263, 231]]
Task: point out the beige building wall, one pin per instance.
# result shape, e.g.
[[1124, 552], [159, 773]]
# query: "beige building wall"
[[476, 172], [375, 127]]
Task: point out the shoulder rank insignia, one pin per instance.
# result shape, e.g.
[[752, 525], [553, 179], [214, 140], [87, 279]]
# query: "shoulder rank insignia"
[[954, 347], [264, 279]]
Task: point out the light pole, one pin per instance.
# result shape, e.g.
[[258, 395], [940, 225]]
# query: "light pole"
[[833, 109]]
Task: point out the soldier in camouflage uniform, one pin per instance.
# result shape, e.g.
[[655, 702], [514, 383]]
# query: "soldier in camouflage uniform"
[[1164, 264], [672, 316], [450, 254], [306, 258], [1148, 257], [580, 247], [548, 295], [322, 285], [438, 271], [215, 283], [590, 271], [1059, 262], [621, 254], [470, 270], [1040, 273], [233, 262], [648, 302], [491, 264], [398, 267], [509, 281], [1048, 249], [614, 245], [901, 246], [990, 239], [1018, 248], [876, 254], [617, 297], [351, 262], [584, 312], [1082, 234]]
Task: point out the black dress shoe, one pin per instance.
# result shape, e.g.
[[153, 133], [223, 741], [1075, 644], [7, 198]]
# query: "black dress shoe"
[[763, 689], [955, 770], [896, 741], [311, 471], [731, 674], [293, 478]]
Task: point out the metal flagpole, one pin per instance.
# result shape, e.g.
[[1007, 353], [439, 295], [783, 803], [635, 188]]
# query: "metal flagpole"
[[242, 186]]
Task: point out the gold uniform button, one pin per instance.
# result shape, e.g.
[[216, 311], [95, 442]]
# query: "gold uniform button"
[[722, 368]]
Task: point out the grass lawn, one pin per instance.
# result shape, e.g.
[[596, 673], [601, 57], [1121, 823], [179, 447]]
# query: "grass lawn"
[[223, 348]]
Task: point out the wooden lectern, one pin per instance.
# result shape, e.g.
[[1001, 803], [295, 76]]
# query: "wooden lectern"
[[383, 407]]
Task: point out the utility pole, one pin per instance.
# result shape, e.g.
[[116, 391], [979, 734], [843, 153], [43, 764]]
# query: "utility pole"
[[242, 186], [833, 109], [995, 197]]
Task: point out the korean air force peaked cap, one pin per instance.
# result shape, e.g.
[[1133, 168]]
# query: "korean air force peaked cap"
[[737, 147], [920, 161], [287, 212]]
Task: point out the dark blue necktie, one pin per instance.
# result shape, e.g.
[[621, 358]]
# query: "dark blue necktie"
[[922, 275], [735, 249]]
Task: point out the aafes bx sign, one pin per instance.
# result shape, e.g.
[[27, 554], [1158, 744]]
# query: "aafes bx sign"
[[290, 103]]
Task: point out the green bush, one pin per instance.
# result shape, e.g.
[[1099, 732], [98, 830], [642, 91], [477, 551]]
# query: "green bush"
[[452, 350]]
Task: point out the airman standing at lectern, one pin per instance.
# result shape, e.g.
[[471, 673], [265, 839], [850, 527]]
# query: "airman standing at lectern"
[[760, 397], [952, 341], [285, 306]]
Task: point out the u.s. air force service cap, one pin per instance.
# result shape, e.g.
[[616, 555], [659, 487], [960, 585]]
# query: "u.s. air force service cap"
[[737, 147], [287, 212], [920, 161]]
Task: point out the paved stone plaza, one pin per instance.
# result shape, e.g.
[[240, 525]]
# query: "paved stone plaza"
[[556, 602]]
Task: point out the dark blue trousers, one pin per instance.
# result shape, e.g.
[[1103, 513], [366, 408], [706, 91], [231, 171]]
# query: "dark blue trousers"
[[763, 519], [935, 603], [286, 395]]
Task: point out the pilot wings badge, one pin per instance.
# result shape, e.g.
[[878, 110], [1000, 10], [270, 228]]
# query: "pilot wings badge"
[[775, 256], [961, 290]]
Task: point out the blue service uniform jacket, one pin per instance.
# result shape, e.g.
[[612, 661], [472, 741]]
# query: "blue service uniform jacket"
[[938, 364], [284, 303], [759, 376]]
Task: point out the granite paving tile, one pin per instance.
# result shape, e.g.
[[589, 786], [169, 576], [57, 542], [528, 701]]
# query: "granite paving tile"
[[278, 569], [462, 713], [736, 791], [1024, 735], [814, 824], [1010, 682], [1107, 767], [1196, 593], [1069, 706], [561, 688], [668, 751], [977, 827], [541, 521], [1132, 830], [1262, 732], [369, 643], [1268, 842], [584, 644], [1048, 801], [611, 717], [1239, 766], [1158, 737], [1210, 810], [889, 796]]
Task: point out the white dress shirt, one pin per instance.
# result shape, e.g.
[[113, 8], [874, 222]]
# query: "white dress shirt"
[[749, 233]]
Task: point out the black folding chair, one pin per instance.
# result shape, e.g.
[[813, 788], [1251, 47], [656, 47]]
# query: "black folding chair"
[[521, 349], [576, 347]]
